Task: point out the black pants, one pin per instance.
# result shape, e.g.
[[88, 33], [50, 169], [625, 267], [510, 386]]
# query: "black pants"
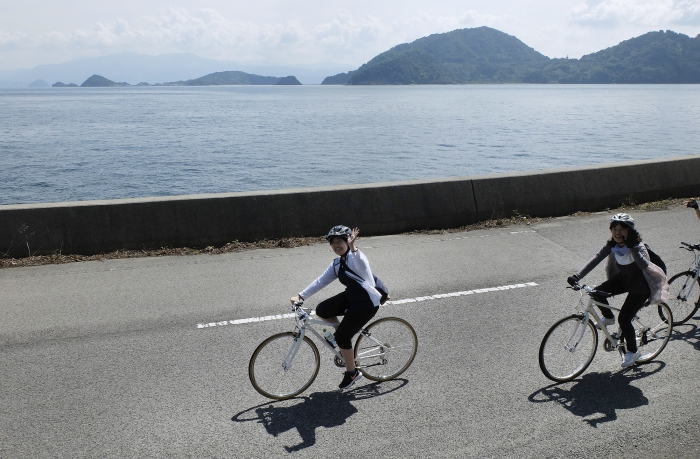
[[352, 322], [637, 296]]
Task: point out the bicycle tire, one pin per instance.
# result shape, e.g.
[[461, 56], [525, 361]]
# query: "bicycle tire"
[[683, 305], [397, 347], [271, 379], [559, 363], [656, 331]]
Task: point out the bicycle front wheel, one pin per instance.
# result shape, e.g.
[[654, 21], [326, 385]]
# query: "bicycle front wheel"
[[283, 366], [568, 348], [652, 331], [387, 349], [684, 297]]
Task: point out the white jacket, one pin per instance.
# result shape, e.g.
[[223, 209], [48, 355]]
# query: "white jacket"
[[356, 261]]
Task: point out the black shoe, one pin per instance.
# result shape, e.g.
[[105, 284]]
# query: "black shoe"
[[349, 379]]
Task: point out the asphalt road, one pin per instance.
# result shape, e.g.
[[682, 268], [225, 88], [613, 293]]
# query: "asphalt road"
[[138, 358]]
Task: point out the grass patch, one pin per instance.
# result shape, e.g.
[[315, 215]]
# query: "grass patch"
[[231, 247], [664, 204]]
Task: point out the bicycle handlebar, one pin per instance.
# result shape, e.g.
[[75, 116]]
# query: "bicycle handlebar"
[[690, 247], [591, 291], [297, 306]]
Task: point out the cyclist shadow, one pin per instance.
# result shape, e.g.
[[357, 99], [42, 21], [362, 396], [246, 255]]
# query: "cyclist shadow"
[[307, 413], [687, 332], [599, 394]]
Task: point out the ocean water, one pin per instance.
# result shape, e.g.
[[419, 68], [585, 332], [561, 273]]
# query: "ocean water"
[[69, 144]]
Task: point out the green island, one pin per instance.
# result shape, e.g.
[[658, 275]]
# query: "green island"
[[233, 77], [486, 55], [213, 79], [97, 81]]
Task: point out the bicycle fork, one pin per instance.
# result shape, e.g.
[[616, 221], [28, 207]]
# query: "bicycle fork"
[[292, 352], [611, 341], [683, 294], [576, 336]]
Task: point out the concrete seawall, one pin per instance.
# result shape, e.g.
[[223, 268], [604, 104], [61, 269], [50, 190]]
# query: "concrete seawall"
[[88, 227]]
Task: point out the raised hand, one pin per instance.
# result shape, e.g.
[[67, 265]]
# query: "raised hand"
[[353, 237], [691, 203]]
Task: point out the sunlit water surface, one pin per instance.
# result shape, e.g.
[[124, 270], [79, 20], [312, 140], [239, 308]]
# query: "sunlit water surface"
[[67, 144]]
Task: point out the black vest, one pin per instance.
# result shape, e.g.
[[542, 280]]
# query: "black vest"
[[355, 293]]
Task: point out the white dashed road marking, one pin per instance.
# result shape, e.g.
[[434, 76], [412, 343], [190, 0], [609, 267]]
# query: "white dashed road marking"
[[222, 323]]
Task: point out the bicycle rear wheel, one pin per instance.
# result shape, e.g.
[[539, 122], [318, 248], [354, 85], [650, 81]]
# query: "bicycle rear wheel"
[[684, 297], [387, 349], [277, 372], [568, 348], [652, 330]]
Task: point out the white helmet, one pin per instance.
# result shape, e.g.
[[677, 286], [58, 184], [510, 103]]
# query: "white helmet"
[[339, 230], [626, 219]]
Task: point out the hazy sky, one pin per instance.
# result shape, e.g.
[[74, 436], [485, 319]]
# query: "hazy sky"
[[305, 32]]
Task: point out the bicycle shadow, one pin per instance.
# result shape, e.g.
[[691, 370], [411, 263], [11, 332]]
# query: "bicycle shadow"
[[688, 332], [308, 413], [601, 394]]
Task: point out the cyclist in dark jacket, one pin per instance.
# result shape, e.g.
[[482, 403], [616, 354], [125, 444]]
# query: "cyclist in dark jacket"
[[692, 203], [358, 303], [628, 269]]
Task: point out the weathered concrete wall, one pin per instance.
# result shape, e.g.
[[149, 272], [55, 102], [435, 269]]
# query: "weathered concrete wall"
[[565, 191], [89, 227]]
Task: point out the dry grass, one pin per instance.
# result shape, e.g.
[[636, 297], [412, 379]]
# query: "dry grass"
[[56, 259], [488, 224], [664, 204]]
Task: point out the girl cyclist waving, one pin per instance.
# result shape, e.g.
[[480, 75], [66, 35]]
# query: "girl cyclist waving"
[[357, 304]]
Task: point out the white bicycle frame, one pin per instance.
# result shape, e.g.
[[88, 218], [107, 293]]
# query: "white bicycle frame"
[[588, 311], [304, 320], [695, 269]]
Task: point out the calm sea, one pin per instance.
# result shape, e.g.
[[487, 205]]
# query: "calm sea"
[[67, 144]]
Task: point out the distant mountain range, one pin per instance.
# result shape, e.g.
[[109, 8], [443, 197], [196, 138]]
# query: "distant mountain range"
[[485, 55], [340, 78], [98, 81], [136, 68], [38, 84], [236, 78], [478, 55], [213, 79]]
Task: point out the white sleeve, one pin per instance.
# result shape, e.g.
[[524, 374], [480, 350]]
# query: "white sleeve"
[[323, 280], [359, 263]]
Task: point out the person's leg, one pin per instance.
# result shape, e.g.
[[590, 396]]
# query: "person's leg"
[[349, 357], [330, 308], [349, 326], [613, 286], [632, 304]]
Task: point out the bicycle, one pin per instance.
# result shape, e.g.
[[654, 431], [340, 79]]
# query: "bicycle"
[[286, 364], [569, 346], [684, 297]]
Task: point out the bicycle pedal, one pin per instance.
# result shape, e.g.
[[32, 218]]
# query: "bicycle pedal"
[[608, 347], [340, 363]]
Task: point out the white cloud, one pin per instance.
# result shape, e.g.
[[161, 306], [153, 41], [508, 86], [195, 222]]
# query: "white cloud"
[[345, 32], [369, 35], [349, 36], [11, 39], [345, 38], [643, 13]]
